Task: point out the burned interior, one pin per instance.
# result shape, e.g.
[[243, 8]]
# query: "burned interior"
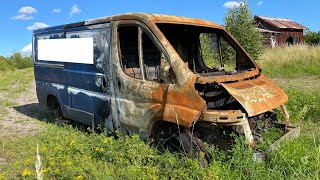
[[207, 51], [154, 65]]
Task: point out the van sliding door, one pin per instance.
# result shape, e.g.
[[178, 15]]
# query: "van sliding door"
[[88, 80]]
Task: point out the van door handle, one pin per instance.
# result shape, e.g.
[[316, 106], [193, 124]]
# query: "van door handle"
[[104, 83]]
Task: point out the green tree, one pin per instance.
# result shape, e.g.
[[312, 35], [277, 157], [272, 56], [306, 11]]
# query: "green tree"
[[312, 38], [240, 23], [19, 61]]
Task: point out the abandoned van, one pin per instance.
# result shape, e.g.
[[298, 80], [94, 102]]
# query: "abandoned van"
[[176, 80]]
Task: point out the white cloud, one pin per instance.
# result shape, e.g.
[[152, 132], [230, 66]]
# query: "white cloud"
[[37, 25], [232, 4], [27, 10], [27, 50], [259, 3], [22, 17], [57, 11], [74, 10], [24, 13]]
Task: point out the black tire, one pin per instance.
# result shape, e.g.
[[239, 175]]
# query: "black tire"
[[192, 146], [58, 112]]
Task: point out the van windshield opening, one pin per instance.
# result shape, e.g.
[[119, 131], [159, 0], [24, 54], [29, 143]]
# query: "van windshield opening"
[[207, 51]]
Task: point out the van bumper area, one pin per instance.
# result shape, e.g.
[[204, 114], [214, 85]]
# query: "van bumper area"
[[243, 124], [229, 118]]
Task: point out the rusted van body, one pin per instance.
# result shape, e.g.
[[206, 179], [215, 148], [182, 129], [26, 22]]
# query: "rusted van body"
[[152, 73]]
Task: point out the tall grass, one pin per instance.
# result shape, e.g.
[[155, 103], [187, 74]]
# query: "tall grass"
[[291, 62]]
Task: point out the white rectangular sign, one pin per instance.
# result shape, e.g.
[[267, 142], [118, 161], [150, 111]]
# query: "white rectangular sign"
[[74, 50]]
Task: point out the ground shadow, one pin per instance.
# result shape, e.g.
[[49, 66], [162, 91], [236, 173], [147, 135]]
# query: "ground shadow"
[[41, 113], [36, 111]]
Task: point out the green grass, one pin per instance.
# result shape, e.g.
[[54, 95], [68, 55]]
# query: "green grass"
[[15, 82], [291, 62], [12, 84], [68, 153]]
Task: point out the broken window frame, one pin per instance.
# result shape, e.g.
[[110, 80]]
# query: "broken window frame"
[[142, 28], [243, 62]]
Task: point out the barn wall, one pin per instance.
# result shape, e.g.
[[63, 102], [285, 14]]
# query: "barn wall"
[[281, 38]]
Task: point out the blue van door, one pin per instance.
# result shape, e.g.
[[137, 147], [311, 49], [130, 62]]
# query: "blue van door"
[[88, 90]]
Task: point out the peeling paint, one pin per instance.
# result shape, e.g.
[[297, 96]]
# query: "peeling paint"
[[58, 86], [76, 91]]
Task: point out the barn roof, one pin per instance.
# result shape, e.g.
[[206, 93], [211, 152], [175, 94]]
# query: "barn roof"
[[281, 23]]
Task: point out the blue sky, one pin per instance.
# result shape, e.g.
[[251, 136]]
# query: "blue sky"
[[19, 17]]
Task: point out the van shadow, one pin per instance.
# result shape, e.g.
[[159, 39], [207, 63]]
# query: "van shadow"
[[41, 113], [36, 111]]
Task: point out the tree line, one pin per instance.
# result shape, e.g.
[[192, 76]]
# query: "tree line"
[[312, 38], [15, 61]]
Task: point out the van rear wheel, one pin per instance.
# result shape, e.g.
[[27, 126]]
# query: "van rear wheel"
[[53, 104]]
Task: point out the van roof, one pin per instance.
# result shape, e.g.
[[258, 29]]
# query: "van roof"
[[156, 18]]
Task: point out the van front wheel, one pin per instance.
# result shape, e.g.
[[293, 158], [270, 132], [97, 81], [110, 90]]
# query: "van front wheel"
[[187, 143]]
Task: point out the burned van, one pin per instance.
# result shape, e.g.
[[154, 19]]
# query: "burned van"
[[170, 79]]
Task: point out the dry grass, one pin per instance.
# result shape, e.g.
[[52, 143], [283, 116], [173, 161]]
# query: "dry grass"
[[291, 62]]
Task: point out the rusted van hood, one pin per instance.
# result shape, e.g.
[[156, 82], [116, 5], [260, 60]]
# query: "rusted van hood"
[[258, 95]]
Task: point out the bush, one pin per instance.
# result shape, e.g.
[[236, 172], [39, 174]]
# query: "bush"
[[4, 65], [312, 38], [15, 61]]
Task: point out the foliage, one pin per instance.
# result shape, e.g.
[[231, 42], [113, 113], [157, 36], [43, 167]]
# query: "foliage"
[[312, 38], [15, 61], [210, 57], [240, 23], [210, 45], [304, 105], [291, 62]]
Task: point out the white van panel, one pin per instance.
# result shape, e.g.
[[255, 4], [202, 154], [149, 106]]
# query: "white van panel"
[[75, 50]]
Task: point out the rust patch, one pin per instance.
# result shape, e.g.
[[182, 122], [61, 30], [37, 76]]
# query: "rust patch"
[[183, 104], [263, 95], [228, 78]]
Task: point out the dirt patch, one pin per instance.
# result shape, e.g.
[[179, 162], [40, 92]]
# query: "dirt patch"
[[17, 123]]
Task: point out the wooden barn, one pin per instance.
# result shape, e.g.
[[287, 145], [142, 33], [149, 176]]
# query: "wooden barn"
[[279, 31]]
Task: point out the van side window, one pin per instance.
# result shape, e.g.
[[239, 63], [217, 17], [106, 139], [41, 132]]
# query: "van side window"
[[129, 55], [99, 42]]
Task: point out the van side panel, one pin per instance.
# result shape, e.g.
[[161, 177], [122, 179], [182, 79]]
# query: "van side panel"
[[91, 95], [81, 89]]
